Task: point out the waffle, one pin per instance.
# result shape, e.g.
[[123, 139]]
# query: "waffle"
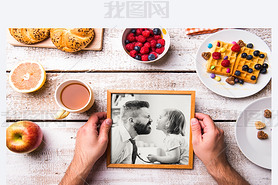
[[219, 69], [244, 75]]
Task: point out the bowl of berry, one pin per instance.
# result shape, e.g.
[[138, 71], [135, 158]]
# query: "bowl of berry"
[[146, 45]]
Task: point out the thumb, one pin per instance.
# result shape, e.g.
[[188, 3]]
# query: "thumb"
[[196, 131], [104, 129]]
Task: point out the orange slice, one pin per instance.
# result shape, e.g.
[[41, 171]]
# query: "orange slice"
[[27, 77]]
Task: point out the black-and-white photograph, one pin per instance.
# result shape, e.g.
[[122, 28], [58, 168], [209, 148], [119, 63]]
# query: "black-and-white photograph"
[[151, 128]]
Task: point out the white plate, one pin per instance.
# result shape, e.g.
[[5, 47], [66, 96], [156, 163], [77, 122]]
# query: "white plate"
[[222, 88], [256, 150]]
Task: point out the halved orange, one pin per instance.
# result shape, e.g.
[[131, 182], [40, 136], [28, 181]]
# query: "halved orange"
[[27, 77]]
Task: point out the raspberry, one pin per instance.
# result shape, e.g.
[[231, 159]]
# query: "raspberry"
[[236, 48], [131, 37], [133, 53], [153, 43], [147, 44], [159, 50], [141, 39], [144, 57], [155, 54], [225, 63], [144, 50], [138, 31], [138, 44], [161, 41], [156, 37], [151, 33], [150, 39], [129, 46], [146, 33], [216, 55]]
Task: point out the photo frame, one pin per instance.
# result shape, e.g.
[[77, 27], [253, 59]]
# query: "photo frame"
[[151, 129]]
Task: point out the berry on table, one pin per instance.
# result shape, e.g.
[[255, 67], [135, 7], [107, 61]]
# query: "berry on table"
[[237, 73], [137, 48], [265, 65], [236, 80], [245, 68], [256, 53], [144, 58], [151, 57], [253, 77], [241, 81], [216, 55], [263, 71], [258, 66], [138, 57], [249, 57], [158, 45], [235, 48], [156, 31], [250, 45], [261, 56], [225, 63], [226, 58], [243, 55], [250, 70]]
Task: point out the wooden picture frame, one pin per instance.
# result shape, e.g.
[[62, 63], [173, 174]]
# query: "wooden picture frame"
[[178, 98]]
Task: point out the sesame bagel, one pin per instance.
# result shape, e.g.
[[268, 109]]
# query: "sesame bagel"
[[71, 40], [30, 35]]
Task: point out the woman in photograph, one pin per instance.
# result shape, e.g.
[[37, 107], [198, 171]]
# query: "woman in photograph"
[[172, 123]]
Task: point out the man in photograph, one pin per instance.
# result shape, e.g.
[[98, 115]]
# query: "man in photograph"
[[135, 120]]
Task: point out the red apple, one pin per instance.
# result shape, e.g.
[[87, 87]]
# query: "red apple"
[[23, 137]]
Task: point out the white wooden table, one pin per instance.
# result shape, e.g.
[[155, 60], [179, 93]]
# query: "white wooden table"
[[112, 69]]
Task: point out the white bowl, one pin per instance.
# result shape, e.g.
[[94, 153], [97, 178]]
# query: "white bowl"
[[164, 35]]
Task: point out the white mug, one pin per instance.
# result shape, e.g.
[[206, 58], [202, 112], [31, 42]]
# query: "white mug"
[[64, 111]]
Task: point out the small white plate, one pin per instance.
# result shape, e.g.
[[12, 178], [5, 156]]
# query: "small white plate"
[[256, 150], [222, 88]]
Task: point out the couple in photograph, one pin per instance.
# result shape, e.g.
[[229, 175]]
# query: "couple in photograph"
[[136, 120]]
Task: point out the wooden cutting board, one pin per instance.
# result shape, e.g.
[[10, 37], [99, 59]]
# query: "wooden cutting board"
[[95, 45]]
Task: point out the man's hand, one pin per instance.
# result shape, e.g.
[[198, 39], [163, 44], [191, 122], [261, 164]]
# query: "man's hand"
[[208, 145], [90, 146], [152, 158], [91, 143]]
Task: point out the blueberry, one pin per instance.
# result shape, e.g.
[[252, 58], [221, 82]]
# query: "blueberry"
[[133, 30], [138, 57], [250, 70], [243, 55], [241, 81], [151, 57], [127, 42], [250, 45], [236, 80], [156, 31], [265, 65], [253, 77], [261, 55], [263, 71], [256, 53], [158, 45], [226, 58], [245, 68], [249, 57], [237, 73], [137, 48], [258, 66]]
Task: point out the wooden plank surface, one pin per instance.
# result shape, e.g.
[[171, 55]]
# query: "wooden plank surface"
[[180, 57], [48, 164], [41, 105], [95, 45]]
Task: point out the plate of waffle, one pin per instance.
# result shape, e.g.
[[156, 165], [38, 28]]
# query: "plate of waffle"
[[234, 63]]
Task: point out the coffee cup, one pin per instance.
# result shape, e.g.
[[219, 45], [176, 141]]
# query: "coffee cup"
[[73, 96]]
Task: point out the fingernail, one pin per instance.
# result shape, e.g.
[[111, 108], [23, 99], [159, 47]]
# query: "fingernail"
[[194, 121], [108, 121]]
